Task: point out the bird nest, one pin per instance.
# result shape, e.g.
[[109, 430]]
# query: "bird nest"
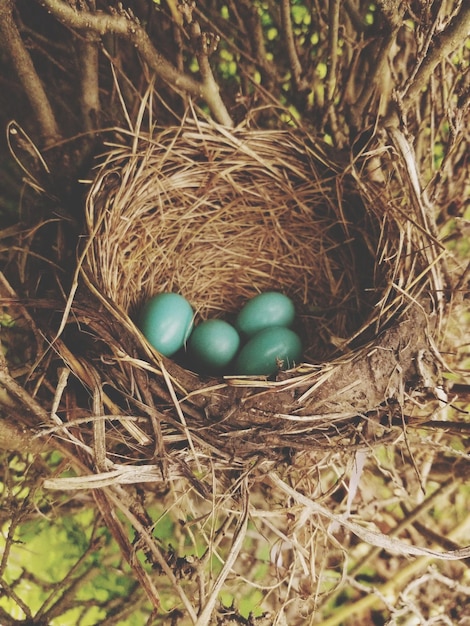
[[220, 215], [255, 475]]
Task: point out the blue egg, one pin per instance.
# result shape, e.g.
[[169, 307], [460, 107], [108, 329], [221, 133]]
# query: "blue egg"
[[166, 321], [273, 348], [213, 345], [270, 308]]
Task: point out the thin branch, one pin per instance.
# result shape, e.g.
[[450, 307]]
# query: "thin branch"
[[444, 44], [360, 25], [238, 538], [89, 83], [333, 29], [34, 90], [378, 79], [252, 30], [288, 33], [123, 26], [89, 78], [205, 44]]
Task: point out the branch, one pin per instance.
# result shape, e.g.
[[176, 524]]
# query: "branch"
[[26, 72], [89, 79], [444, 44], [205, 44], [123, 26], [378, 80], [295, 66], [252, 30], [360, 25], [333, 28]]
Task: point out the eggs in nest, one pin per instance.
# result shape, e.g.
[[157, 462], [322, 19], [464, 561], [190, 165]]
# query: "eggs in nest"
[[259, 343]]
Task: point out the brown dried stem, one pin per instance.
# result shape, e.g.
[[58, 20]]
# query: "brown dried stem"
[[130, 29], [288, 34], [333, 27], [27, 74], [89, 78], [444, 43]]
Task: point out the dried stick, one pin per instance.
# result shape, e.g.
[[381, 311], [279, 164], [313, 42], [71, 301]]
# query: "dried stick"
[[333, 28], [206, 44], [392, 587], [130, 29], [34, 90], [444, 44], [288, 33], [89, 80]]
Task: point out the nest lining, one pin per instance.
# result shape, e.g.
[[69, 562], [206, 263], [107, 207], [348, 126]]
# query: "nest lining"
[[220, 217]]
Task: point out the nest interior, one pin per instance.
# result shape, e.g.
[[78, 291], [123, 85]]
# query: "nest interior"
[[219, 216]]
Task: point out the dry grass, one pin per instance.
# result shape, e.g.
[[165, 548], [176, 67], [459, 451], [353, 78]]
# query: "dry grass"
[[259, 477], [220, 216]]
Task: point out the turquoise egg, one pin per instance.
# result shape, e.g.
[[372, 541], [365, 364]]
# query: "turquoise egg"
[[268, 351], [166, 321], [213, 345], [270, 308]]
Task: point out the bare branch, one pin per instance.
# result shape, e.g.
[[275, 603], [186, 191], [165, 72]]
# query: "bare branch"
[[34, 90], [250, 25], [89, 78], [378, 81], [357, 20], [333, 28], [205, 44], [444, 44], [123, 26], [90, 102], [295, 66]]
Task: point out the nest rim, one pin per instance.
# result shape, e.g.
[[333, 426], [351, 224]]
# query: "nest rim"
[[286, 405]]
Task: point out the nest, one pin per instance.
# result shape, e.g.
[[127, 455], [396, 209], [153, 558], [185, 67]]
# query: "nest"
[[255, 475], [219, 216]]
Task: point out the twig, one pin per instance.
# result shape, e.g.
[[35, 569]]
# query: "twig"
[[288, 33], [27, 74], [356, 18], [239, 537], [446, 42], [106, 502], [377, 78], [331, 78], [371, 536], [333, 28], [116, 497], [393, 586], [89, 79], [205, 44], [251, 29], [445, 490], [130, 29]]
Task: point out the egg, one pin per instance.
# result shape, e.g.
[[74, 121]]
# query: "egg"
[[273, 348], [270, 308], [166, 321], [213, 345]]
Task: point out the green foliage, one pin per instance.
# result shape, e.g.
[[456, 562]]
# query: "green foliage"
[[47, 557]]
